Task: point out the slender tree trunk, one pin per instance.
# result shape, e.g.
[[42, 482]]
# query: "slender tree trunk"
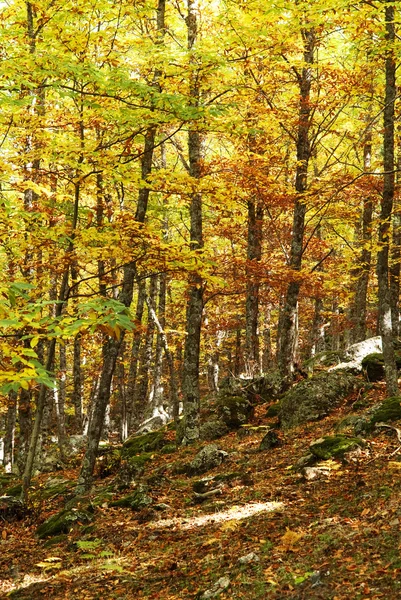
[[189, 429], [141, 397], [386, 209], [9, 437], [288, 337], [111, 347], [134, 360], [254, 254]]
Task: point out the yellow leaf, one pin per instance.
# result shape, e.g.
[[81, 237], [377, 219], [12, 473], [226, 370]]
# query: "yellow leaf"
[[393, 464], [231, 525], [24, 384], [211, 541], [4, 534], [289, 540], [34, 341]]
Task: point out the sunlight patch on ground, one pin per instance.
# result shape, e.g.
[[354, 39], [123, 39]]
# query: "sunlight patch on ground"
[[233, 513]]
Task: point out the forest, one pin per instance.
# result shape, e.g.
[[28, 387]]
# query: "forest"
[[199, 200]]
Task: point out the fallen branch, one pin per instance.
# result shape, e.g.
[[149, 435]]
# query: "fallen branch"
[[201, 497], [398, 431]]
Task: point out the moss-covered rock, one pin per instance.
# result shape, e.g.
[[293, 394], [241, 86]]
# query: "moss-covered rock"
[[147, 442], [108, 463], [234, 411], [273, 410], [63, 522], [168, 449], [269, 441], [208, 458], [373, 365], [334, 446], [6, 479], [132, 469], [389, 410], [138, 500], [314, 398], [212, 430], [14, 490]]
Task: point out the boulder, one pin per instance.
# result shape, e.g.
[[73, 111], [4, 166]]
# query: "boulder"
[[208, 458], [269, 441], [234, 411], [212, 430], [138, 500], [334, 446], [313, 399], [389, 410], [146, 442], [373, 365], [355, 354], [63, 521]]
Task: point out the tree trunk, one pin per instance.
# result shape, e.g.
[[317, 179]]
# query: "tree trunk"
[[9, 437], [189, 430], [111, 347], [288, 337], [386, 209], [254, 254]]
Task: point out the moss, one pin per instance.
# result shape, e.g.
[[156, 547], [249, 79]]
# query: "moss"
[[234, 411], [5, 480], [334, 446], [15, 490], [212, 430], [63, 521], [56, 540], [136, 501], [314, 398], [273, 410], [388, 411], [373, 365], [168, 449], [148, 442]]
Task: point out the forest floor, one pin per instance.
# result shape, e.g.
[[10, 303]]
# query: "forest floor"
[[335, 538]]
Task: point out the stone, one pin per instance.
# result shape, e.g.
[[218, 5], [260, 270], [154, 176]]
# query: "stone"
[[63, 521], [212, 430], [389, 410], [217, 588], [208, 458], [252, 557], [234, 411], [355, 354], [270, 440], [138, 500], [334, 446], [314, 398], [147, 442]]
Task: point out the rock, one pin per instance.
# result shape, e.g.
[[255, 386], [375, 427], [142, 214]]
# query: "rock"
[[217, 588], [314, 398], [147, 442], [212, 430], [314, 473], [355, 354], [270, 440], [108, 463], [389, 410], [12, 508], [208, 458], [252, 557], [334, 446], [234, 411], [273, 410], [305, 461], [50, 461], [63, 521], [131, 469], [138, 500], [75, 443]]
